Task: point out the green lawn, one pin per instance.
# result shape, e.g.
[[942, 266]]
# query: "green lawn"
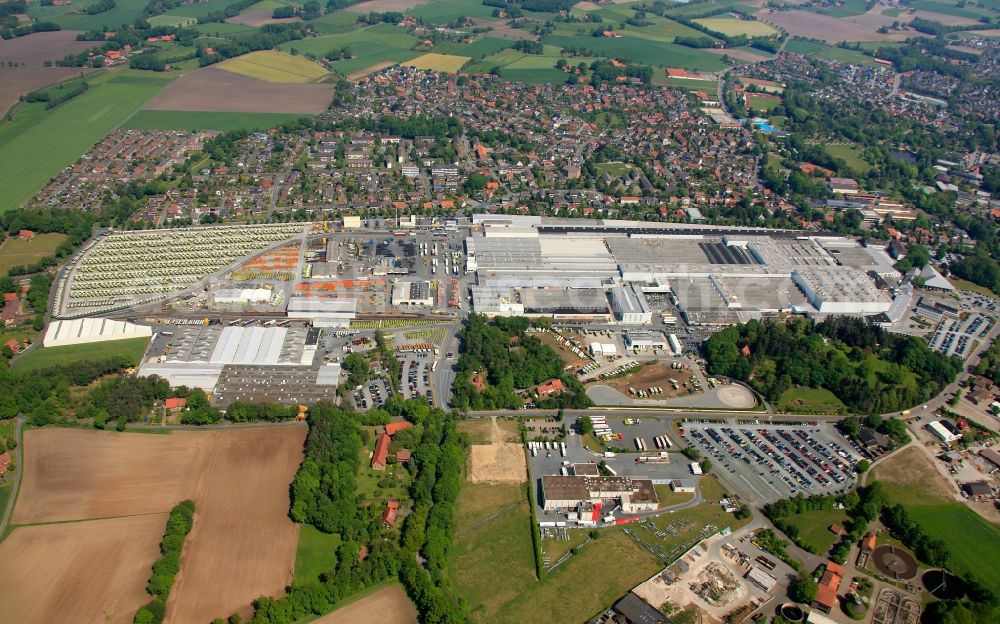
[[814, 527], [973, 542], [801, 46], [370, 46], [5, 491], [710, 87], [492, 565], [336, 22], [206, 120], [809, 401], [316, 553], [845, 55], [221, 29], [38, 147], [851, 155], [17, 252], [45, 357]]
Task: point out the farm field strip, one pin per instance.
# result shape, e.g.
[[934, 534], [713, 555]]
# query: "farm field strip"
[[274, 66], [206, 120], [58, 138], [210, 89]]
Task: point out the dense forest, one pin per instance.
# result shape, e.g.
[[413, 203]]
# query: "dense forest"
[[509, 358], [869, 369], [324, 494]]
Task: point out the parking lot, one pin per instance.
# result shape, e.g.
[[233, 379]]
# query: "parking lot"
[[770, 462], [417, 370], [371, 394], [955, 337]]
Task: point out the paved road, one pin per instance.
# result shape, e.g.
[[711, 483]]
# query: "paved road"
[[19, 470]]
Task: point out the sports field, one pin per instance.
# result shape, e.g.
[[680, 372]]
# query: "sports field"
[[206, 120], [40, 145], [274, 66], [15, 252], [40, 357], [733, 27], [494, 533], [763, 103], [438, 62]]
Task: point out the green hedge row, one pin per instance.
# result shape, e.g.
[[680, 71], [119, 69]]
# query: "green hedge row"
[[165, 568]]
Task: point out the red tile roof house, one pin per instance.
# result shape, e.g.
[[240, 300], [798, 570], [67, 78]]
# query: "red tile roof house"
[[549, 387], [394, 428], [26, 235], [829, 585], [391, 509], [381, 452], [5, 460], [175, 404]]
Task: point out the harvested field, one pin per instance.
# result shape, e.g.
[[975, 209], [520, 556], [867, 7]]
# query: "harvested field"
[[386, 606], [36, 48], [743, 55], [381, 6], [438, 62], [371, 70], [211, 89], [94, 570], [242, 544], [261, 17], [825, 28], [911, 479], [733, 27], [18, 81], [498, 461], [275, 66]]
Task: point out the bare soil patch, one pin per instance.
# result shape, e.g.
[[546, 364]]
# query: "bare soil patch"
[[92, 571], [381, 6], [910, 467], [502, 30], [211, 89], [370, 70], [242, 545], [654, 375], [18, 81], [498, 461], [36, 48], [825, 28], [386, 606], [743, 55], [261, 17]]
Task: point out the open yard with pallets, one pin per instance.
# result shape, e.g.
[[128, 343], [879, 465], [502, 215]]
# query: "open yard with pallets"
[[242, 545]]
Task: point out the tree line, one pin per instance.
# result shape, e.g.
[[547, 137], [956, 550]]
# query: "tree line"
[[870, 370], [166, 567]]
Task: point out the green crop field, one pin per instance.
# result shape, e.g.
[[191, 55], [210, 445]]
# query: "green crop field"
[[946, 8], [316, 553], [662, 29], [336, 22], [125, 12], [38, 147], [484, 47], [849, 9], [370, 46], [494, 533], [804, 47], [222, 29], [809, 401], [638, 50], [172, 20], [973, 542], [814, 527], [847, 56], [443, 11], [206, 120], [46, 357], [15, 252], [702, 8], [199, 9]]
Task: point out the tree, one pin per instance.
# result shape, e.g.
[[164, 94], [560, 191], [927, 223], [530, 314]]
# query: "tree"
[[586, 425], [803, 589], [863, 466]]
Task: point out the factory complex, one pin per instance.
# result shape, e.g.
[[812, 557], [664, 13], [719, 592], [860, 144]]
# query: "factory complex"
[[579, 271]]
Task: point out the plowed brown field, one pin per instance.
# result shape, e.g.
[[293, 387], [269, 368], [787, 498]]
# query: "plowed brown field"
[[212, 89], [242, 544]]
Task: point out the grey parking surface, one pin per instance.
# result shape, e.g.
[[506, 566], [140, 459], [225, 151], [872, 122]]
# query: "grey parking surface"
[[770, 462]]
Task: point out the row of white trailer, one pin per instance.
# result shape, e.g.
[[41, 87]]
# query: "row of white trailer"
[[601, 427], [534, 447], [661, 442]]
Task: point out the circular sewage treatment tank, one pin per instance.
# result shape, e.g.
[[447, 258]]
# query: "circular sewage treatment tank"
[[792, 612]]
